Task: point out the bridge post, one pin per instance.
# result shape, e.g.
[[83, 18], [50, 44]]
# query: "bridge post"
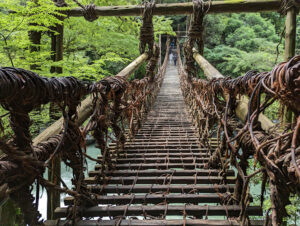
[[53, 197], [290, 46], [290, 34]]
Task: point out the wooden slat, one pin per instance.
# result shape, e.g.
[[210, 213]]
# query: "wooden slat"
[[161, 188], [179, 222], [199, 150], [166, 129], [175, 135], [161, 155], [162, 160], [158, 146], [158, 210], [152, 199], [162, 180], [166, 133], [143, 173], [162, 143], [143, 166]]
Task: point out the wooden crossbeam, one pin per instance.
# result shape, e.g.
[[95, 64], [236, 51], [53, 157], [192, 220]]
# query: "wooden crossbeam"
[[152, 199], [147, 173], [184, 8], [158, 210], [193, 222], [146, 188]]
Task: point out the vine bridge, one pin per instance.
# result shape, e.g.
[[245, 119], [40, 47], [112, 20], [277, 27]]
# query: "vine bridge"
[[174, 149]]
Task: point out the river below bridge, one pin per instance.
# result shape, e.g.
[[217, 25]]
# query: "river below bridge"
[[66, 175]]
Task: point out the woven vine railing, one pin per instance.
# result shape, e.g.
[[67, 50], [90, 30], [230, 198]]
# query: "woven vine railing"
[[117, 104], [276, 153]]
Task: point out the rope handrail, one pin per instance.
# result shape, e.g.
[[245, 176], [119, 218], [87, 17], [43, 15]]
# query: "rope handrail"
[[146, 31], [195, 36]]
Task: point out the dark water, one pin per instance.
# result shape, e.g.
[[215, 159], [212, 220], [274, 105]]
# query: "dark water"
[[66, 175]]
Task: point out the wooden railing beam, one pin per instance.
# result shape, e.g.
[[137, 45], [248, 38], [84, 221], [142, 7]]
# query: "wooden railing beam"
[[85, 110], [184, 8]]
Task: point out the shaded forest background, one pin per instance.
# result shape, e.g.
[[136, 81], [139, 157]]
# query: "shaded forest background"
[[234, 44]]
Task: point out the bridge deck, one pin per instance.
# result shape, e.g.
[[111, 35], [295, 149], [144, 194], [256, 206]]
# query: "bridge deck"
[[159, 177]]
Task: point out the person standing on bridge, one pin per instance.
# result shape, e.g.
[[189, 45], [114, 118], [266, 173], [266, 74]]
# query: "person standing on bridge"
[[175, 58]]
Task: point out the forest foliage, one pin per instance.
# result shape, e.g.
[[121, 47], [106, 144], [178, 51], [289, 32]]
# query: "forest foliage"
[[92, 50], [234, 43]]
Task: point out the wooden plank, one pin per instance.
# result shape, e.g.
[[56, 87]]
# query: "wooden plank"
[[164, 139], [160, 142], [145, 173], [160, 155], [192, 146], [151, 199], [174, 135], [140, 151], [184, 8], [242, 108], [179, 222], [165, 144], [158, 210], [162, 160], [158, 124], [155, 166], [168, 145], [160, 188], [162, 180], [166, 133], [167, 129]]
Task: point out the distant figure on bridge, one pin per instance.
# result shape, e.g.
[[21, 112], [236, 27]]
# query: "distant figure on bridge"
[[174, 58], [171, 57]]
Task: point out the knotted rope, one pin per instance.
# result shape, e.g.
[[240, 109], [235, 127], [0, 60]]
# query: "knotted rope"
[[150, 70], [286, 5], [89, 11], [195, 35], [147, 31], [60, 3]]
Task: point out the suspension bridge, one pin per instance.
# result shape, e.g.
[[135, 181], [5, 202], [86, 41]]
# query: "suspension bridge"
[[174, 149]]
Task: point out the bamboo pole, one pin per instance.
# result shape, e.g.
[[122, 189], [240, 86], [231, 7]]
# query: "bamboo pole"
[[184, 8], [126, 72], [242, 107]]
